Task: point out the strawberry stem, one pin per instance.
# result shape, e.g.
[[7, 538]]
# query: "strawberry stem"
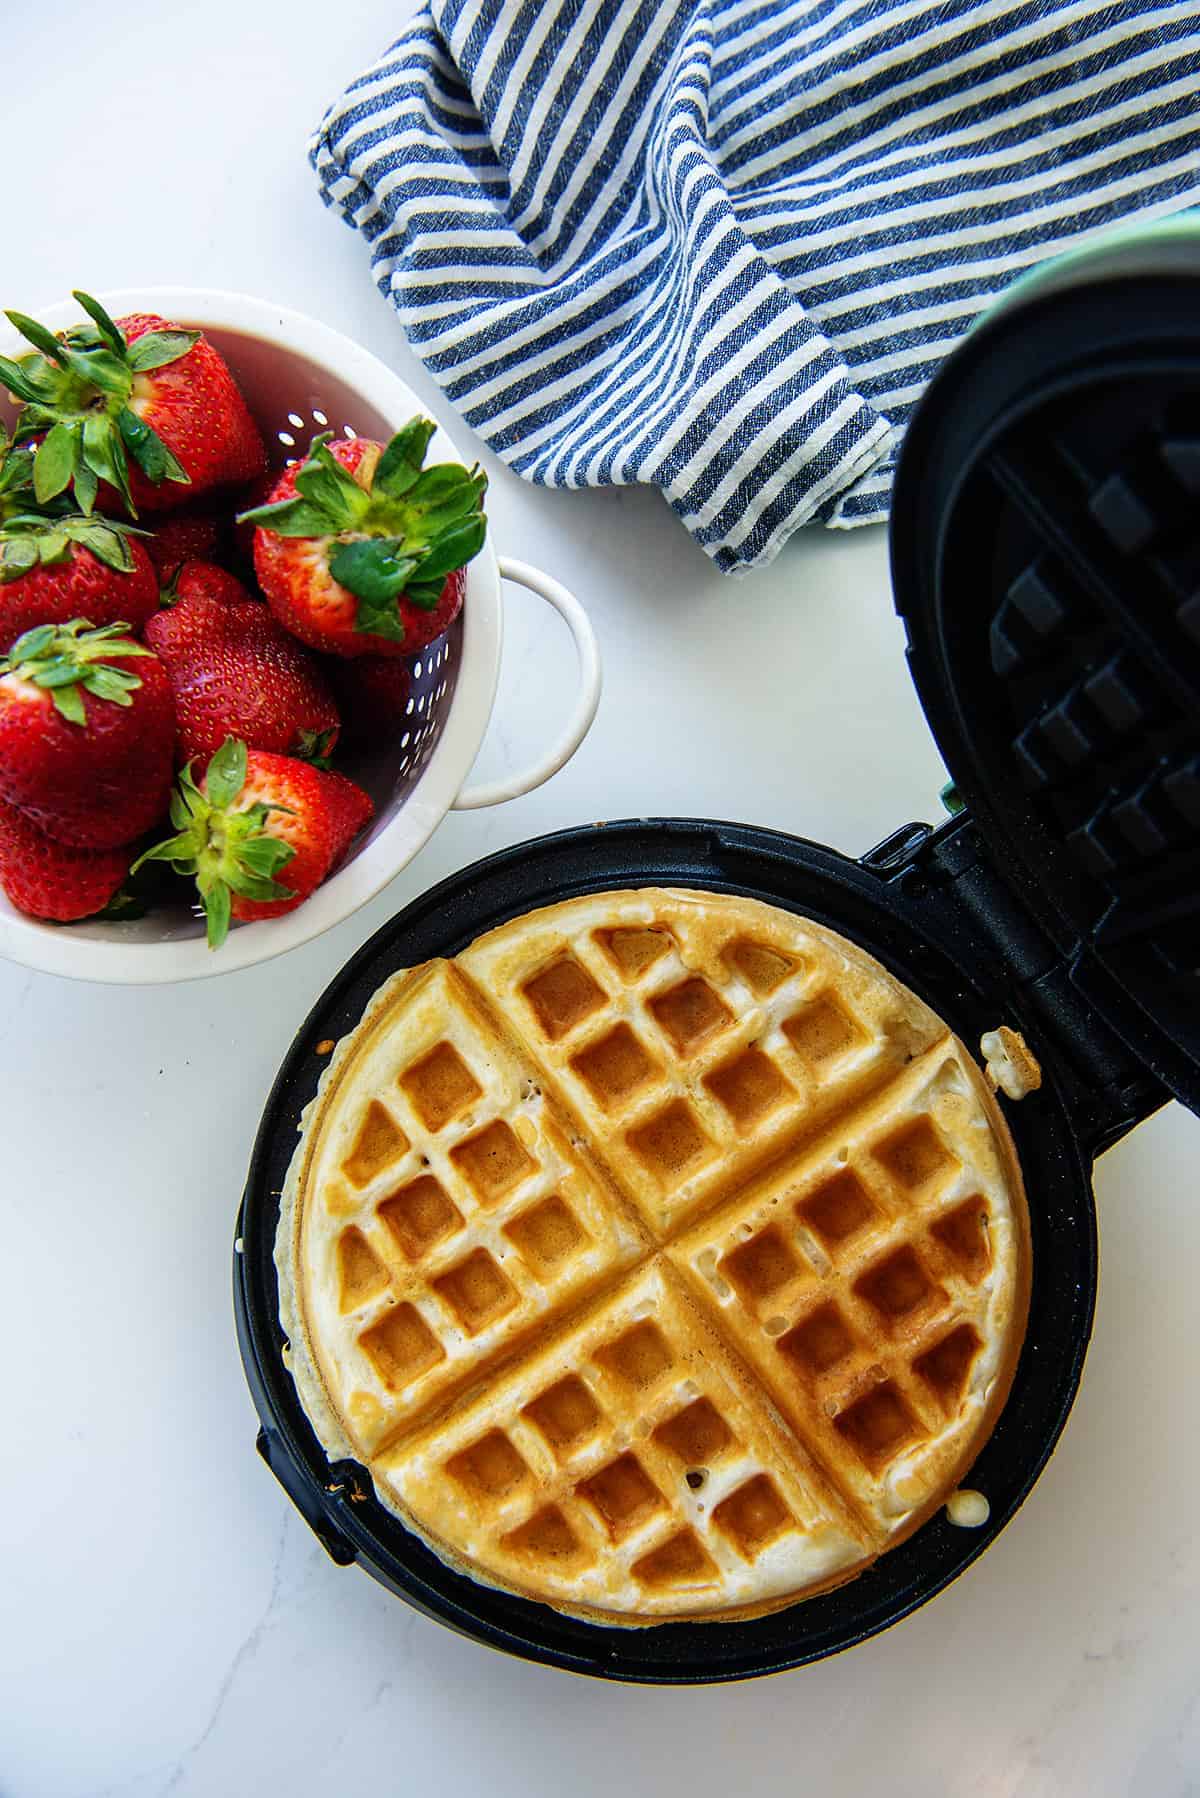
[[27, 538], [75, 390], [67, 660], [228, 851], [398, 536]]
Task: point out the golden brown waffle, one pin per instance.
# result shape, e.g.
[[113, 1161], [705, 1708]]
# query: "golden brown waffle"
[[661, 1256]]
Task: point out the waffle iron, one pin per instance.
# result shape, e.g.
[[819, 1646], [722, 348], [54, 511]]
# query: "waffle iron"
[[1046, 561]]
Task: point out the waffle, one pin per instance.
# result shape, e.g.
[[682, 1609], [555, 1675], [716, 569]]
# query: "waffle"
[[661, 1256]]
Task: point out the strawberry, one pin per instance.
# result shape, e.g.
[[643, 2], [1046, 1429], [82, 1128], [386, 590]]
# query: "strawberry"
[[139, 387], [52, 880], [56, 564], [87, 733], [236, 672], [253, 817], [361, 548], [193, 535], [348, 809], [372, 693], [55, 569]]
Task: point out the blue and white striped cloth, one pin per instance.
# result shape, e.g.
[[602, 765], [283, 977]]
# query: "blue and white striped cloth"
[[720, 246]]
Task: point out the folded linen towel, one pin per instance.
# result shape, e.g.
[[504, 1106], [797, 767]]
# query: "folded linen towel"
[[720, 246]]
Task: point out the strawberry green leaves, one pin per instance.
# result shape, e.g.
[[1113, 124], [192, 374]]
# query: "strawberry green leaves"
[[329, 500], [398, 536], [22, 383], [55, 462], [439, 526], [28, 539], [75, 391], [457, 545], [16, 475], [17, 557], [67, 660], [330, 489], [226, 775], [98, 459], [106, 329], [148, 450], [227, 851], [153, 349], [41, 339], [401, 462], [38, 530], [156, 348], [442, 528], [107, 541], [376, 571]]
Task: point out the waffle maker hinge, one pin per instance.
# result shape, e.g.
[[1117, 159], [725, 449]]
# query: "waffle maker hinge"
[[1110, 1090]]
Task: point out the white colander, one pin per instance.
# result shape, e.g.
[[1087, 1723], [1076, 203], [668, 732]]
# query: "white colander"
[[300, 377]]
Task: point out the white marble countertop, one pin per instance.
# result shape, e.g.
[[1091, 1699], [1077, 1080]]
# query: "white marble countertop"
[[170, 1625]]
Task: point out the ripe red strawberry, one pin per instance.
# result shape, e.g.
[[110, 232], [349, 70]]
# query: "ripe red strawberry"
[[236, 672], [361, 549], [56, 564], [56, 569], [51, 880], [372, 693], [138, 387], [198, 534], [87, 733], [348, 809], [255, 817]]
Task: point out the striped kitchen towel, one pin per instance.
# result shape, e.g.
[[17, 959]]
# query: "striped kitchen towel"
[[720, 246]]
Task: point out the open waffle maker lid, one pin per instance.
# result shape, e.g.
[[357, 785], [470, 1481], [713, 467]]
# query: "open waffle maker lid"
[[1046, 561]]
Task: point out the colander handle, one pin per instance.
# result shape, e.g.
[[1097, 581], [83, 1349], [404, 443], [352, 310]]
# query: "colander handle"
[[492, 792]]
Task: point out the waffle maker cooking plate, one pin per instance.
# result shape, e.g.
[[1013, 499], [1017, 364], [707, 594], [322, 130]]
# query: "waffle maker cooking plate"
[[1046, 561]]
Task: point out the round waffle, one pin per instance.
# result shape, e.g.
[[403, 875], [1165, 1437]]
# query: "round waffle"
[[660, 1256]]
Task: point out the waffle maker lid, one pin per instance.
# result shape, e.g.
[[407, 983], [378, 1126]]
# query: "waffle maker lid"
[[1045, 549]]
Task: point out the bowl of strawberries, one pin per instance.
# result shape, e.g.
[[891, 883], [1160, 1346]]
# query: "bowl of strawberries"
[[250, 632]]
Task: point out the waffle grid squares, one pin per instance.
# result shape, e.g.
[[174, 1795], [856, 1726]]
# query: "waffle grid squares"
[[632, 1460], [464, 1225], [855, 1291], [689, 1074], [469, 1213]]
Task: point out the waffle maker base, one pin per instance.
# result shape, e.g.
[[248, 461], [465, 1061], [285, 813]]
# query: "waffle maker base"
[[899, 905]]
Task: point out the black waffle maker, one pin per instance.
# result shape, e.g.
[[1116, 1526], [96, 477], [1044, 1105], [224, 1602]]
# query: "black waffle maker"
[[1046, 561]]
